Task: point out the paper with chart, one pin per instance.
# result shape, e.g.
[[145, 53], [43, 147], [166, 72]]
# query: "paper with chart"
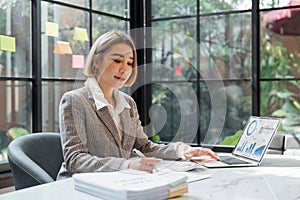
[[258, 134]]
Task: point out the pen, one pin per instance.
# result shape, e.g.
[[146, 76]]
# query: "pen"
[[141, 155], [138, 153]]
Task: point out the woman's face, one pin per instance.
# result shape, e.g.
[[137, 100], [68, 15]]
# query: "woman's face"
[[117, 67]]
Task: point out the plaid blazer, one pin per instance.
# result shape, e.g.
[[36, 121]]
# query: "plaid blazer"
[[90, 138]]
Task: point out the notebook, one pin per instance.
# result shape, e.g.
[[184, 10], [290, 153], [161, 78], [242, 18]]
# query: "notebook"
[[252, 145]]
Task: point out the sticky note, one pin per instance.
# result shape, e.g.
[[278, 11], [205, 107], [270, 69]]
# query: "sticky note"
[[7, 43], [51, 29], [62, 47], [178, 71], [77, 61], [80, 34]]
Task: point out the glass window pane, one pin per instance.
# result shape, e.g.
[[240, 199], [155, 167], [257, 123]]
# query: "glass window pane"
[[281, 99], [223, 109], [102, 24], [180, 69], [176, 115], [65, 41], [280, 46], [187, 27], [83, 3], [169, 8], [15, 115], [174, 112], [15, 38], [174, 50], [116, 7], [52, 93], [212, 6], [226, 42]]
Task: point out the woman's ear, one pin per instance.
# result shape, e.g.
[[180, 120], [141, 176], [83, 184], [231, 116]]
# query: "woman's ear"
[[98, 59], [95, 62]]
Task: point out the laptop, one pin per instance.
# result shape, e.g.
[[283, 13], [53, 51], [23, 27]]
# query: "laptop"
[[252, 145]]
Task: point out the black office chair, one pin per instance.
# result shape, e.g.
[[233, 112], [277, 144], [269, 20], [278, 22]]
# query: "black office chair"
[[35, 159]]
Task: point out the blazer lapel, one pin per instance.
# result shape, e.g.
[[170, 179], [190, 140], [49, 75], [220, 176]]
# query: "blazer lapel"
[[129, 129], [106, 118]]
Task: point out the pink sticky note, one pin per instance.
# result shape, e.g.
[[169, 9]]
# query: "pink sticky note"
[[178, 71], [77, 61]]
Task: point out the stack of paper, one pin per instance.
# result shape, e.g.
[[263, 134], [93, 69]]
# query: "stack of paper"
[[131, 184]]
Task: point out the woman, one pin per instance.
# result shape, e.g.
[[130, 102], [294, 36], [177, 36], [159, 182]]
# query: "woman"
[[100, 125]]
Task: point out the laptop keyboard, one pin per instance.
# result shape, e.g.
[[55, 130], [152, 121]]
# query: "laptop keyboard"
[[231, 160]]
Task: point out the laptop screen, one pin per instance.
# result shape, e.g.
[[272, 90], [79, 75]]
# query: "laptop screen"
[[256, 137]]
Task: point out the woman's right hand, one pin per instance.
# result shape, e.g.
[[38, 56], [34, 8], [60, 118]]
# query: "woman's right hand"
[[144, 164]]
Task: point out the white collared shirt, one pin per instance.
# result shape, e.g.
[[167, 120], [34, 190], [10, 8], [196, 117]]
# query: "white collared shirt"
[[100, 101]]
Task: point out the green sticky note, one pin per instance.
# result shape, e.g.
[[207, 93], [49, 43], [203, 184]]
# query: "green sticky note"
[[7, 43], [80, 34]]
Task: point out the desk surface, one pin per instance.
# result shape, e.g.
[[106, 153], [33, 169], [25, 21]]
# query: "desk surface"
[[277, 178]]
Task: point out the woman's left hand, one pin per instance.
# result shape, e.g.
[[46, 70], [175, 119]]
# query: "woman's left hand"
[[199, 151]]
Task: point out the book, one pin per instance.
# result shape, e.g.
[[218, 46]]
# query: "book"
[[178, 190], [131, 184], [178, 193], [178, 187]]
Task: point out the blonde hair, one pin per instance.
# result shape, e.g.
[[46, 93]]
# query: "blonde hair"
[[102, 45]]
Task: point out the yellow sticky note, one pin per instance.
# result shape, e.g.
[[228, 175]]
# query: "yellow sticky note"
[[51, 29], [77, 61], [7, 43], [63, 47], [80, 34]]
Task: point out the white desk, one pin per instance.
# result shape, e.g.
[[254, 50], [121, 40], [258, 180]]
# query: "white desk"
[[278, 182]]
